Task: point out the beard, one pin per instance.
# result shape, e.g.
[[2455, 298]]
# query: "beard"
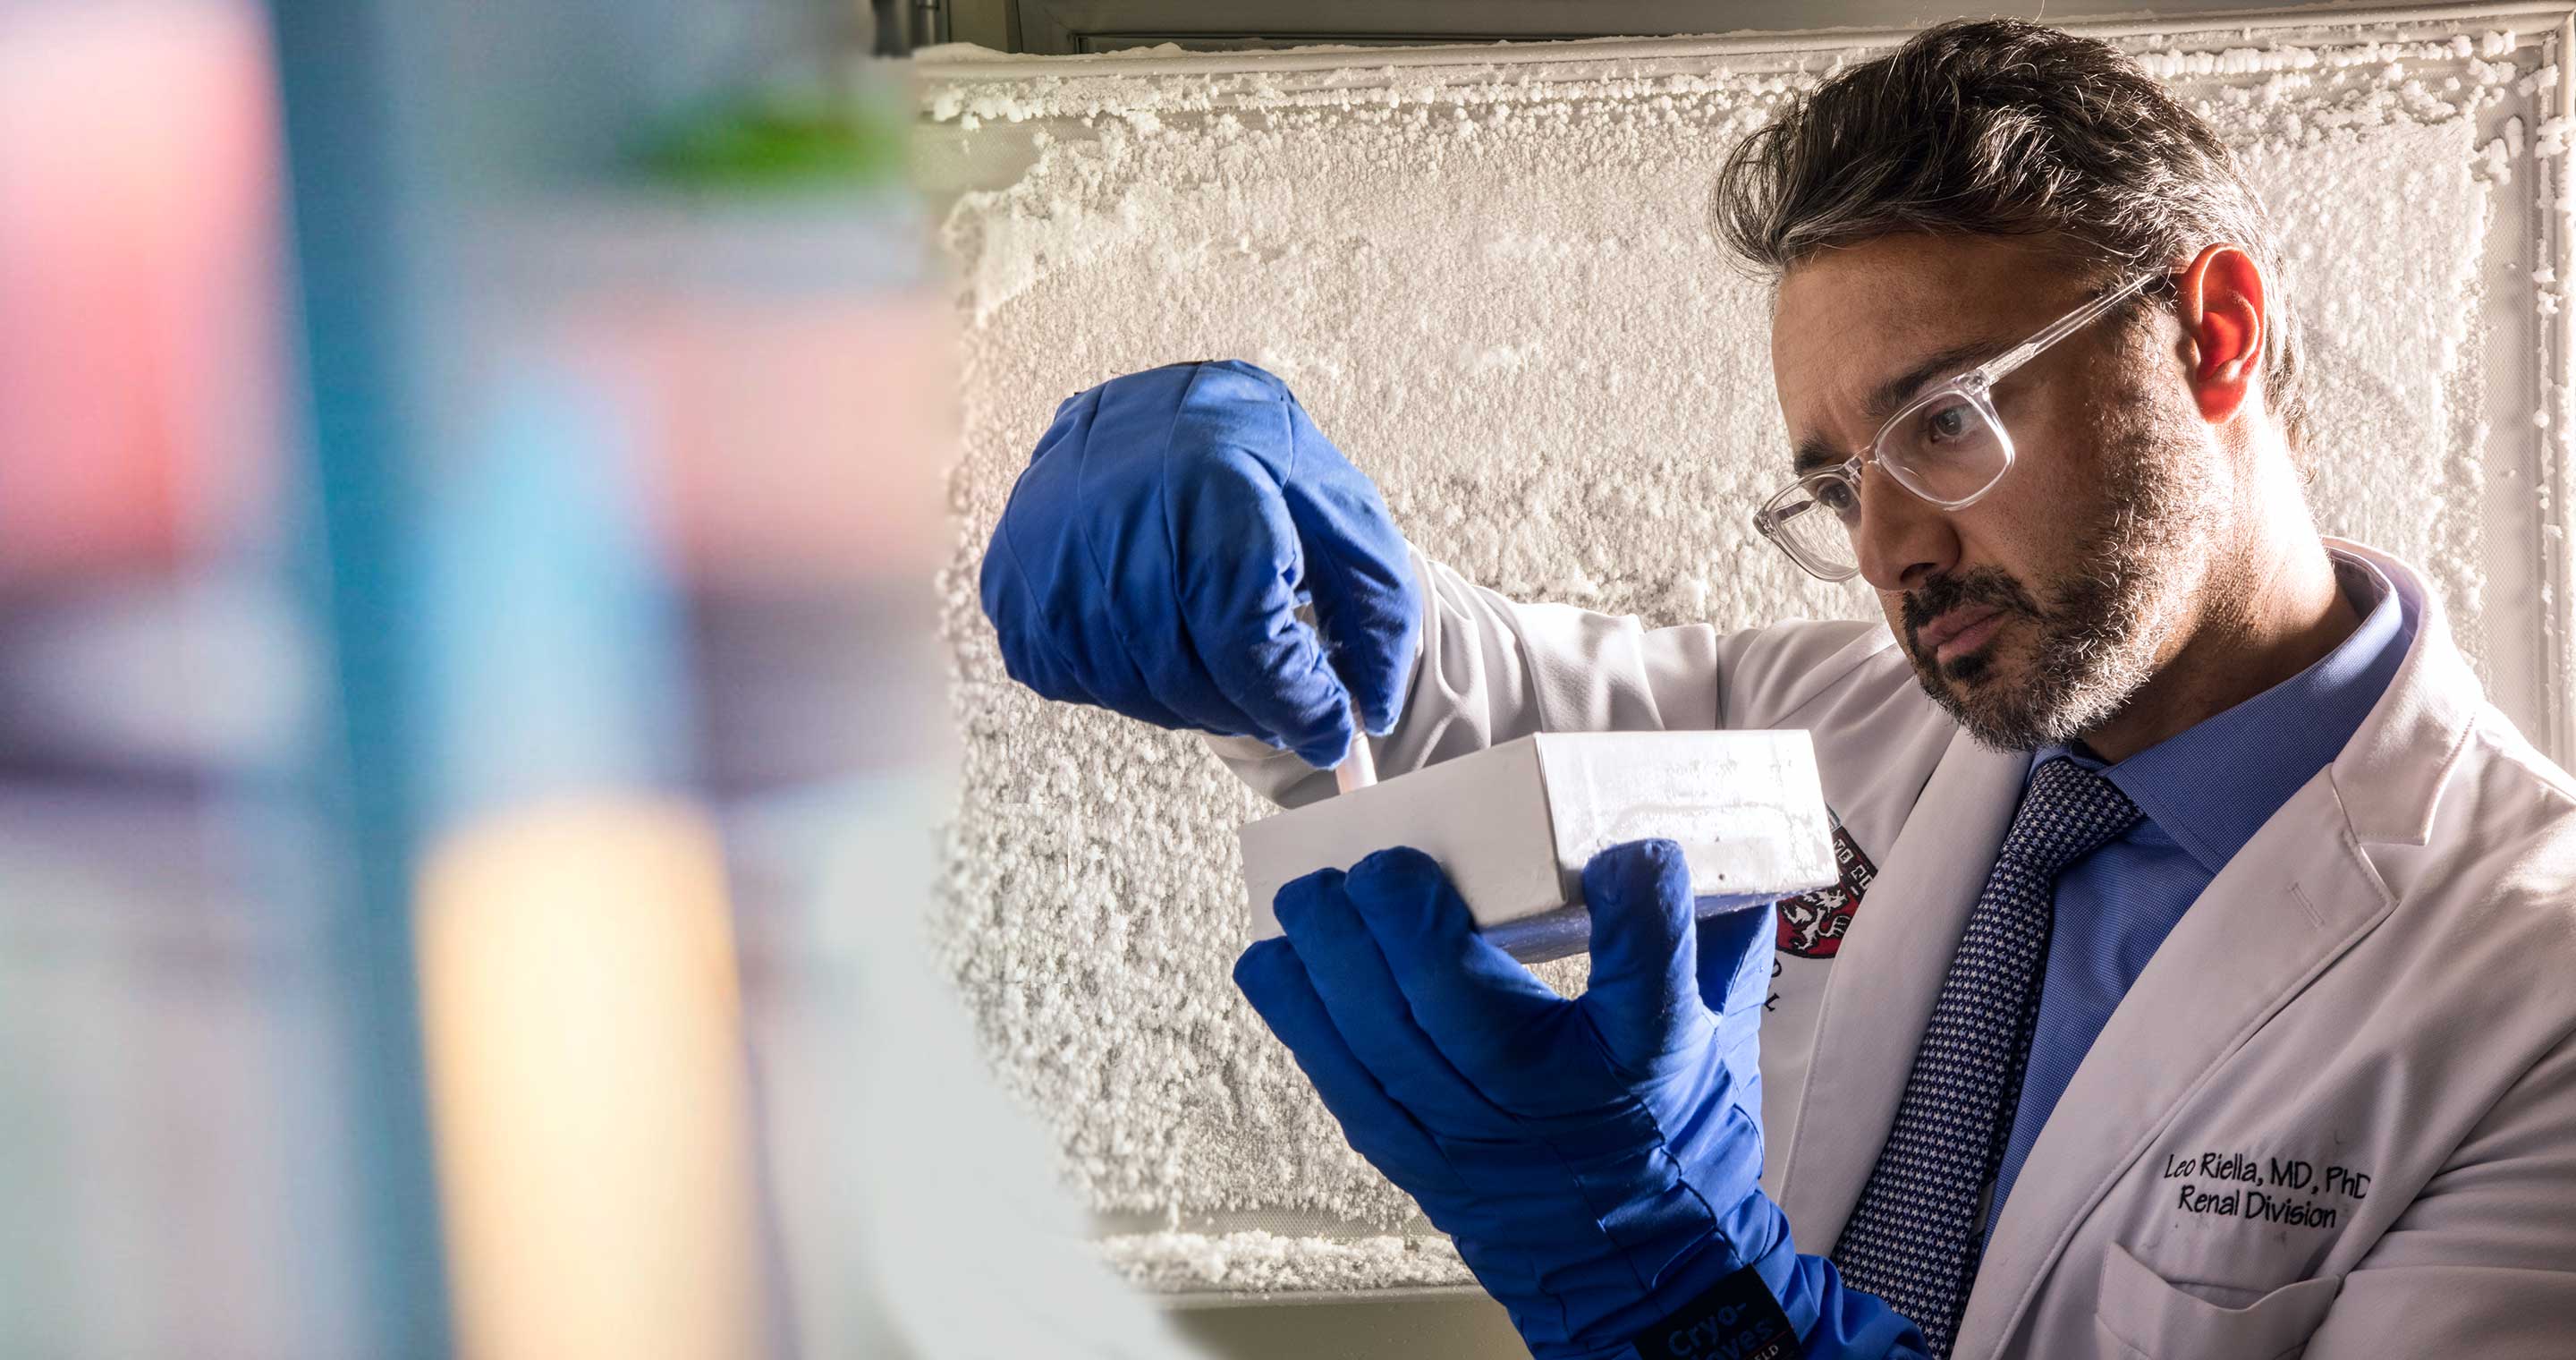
[[2096, 633]]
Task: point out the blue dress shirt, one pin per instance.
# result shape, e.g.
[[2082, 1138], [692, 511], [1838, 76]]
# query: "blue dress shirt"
[[2205, 792]]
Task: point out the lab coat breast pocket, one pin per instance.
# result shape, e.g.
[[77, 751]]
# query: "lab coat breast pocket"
[[2142, 1316]]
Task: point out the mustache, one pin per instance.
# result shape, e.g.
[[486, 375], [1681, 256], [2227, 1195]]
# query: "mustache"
[[1987, 587]]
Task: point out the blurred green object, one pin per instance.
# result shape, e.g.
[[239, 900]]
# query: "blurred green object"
[[767, 143]]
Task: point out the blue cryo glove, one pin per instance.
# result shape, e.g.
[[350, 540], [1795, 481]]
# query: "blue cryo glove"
[[1595, 1160], [1152, 556]]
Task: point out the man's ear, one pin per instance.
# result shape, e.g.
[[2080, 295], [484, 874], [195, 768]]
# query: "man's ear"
[[2219, 300]]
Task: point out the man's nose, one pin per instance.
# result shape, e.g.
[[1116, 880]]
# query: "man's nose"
[[1902, 539]]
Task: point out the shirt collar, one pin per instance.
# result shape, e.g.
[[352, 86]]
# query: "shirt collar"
[[2213, 785]]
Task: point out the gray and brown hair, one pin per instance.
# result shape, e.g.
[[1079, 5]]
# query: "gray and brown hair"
[[2004, 128]]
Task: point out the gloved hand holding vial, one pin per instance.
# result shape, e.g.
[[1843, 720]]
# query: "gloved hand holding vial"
[[1163, 555]]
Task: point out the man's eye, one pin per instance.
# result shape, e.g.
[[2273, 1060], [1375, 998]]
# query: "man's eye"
[[1947, 424], [1836, 495]]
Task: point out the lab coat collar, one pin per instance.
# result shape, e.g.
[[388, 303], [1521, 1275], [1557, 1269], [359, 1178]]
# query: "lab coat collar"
[[2421, 724]]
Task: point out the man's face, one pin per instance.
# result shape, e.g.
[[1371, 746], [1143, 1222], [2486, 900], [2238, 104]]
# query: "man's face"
[[2035, 614]]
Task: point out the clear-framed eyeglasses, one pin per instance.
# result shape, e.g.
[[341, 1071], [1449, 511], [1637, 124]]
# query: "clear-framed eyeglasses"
[[1947, 446]]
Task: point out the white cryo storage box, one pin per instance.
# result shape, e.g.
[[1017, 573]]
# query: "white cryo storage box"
[[1515, 824]]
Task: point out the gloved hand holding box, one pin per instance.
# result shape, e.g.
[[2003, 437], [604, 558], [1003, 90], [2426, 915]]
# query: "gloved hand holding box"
[[1597, 1160]]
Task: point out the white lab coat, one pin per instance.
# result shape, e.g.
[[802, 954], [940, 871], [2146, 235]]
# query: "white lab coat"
[[2381, 985]]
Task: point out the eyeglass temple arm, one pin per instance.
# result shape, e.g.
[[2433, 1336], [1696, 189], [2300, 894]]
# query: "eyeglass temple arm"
[[2065, 326]]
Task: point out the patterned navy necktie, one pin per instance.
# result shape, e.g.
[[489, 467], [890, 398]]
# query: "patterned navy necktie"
[[1912, 1240]]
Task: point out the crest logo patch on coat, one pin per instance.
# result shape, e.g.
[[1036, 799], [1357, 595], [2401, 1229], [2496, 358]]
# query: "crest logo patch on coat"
[[1812, 923]]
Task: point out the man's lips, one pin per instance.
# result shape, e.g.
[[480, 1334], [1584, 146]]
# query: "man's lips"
[[1959, 631]]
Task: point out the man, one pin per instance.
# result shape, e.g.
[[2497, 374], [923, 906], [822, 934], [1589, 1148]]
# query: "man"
[[2196, 990]]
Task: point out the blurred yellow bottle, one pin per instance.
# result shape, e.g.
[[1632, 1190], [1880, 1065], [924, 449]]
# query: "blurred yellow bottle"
[[582, 1020]]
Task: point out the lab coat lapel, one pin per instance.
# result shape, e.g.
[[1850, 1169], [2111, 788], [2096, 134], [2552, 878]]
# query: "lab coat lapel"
[[1885, 977], [2282, 910]]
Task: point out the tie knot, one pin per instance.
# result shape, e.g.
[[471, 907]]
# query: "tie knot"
[[2067, 812]]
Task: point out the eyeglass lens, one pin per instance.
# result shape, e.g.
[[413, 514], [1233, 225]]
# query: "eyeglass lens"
[[1944, 448]]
